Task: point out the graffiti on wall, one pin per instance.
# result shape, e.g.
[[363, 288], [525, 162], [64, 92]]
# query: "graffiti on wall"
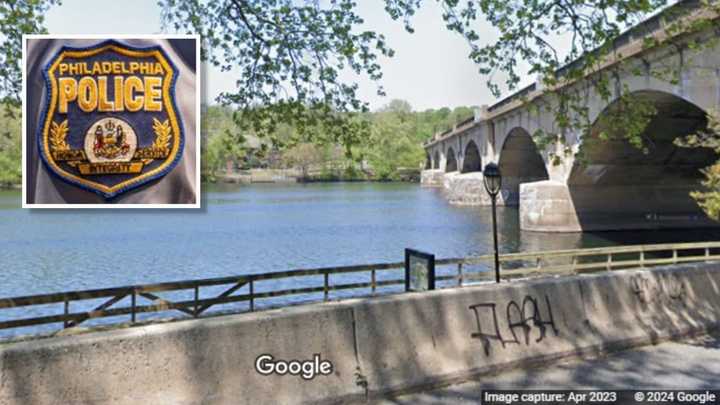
[[666, 289], [526, 323]]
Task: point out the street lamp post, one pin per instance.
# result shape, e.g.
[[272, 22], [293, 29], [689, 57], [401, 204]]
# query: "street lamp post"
[[493, 181]]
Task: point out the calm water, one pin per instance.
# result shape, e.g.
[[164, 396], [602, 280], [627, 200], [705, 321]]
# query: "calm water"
[[259, 228]]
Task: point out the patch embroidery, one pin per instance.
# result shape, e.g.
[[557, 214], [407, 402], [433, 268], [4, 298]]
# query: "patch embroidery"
[[110, 123]]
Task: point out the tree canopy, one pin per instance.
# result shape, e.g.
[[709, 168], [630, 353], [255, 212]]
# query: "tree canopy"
[[293, 58], [291, 54], [708, 199], [17, 17]]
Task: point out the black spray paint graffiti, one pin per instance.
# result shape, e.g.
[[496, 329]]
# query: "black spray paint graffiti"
[[663, 289], [525, 317]]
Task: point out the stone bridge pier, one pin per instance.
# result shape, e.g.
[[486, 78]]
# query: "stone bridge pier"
[[613, 185], [594, 180]]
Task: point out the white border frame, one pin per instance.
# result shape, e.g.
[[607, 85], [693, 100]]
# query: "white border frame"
[[198, 121]]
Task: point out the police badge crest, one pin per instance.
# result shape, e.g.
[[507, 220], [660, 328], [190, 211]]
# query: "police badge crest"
[[109, 121]]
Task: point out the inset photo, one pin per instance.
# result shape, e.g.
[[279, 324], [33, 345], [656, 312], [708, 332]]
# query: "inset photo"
[[111, 121]]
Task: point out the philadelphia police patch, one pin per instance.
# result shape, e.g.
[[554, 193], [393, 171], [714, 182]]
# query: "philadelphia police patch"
[[110, 121]]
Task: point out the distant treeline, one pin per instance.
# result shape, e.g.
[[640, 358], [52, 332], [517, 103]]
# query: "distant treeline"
[[393, 146], [10, 147]]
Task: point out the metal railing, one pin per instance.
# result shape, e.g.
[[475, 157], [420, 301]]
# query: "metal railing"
[[513, 265]]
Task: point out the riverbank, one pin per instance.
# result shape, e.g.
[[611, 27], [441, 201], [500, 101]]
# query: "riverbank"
[[296, 176]]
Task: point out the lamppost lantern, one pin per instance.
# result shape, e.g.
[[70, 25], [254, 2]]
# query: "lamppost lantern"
[[492, 178]]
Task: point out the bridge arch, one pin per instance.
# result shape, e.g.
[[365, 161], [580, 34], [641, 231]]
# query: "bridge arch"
[[520, 162], [428, 161], [472, 162], [436, 160], [615, 185], [451, 161]]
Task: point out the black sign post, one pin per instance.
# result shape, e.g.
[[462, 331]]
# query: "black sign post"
[[419, 271]]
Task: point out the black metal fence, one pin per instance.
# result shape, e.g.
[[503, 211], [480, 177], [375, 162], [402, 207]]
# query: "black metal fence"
[[318, 284]]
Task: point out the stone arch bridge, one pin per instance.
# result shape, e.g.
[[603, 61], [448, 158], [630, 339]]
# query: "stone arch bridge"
[[616, 186]]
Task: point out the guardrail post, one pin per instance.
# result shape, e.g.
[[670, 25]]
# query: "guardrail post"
[[326, 285], [642, 259], [609, 261], [133, 300], [675, 256], [460, 274], [373, 282], [67, 311], [707, 252], [574, 263], [197, 297], [252, 296]]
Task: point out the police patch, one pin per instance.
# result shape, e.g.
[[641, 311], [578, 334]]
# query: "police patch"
[[110, 122]]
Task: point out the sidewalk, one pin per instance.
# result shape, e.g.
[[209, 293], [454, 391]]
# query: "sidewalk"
[[689, 364]]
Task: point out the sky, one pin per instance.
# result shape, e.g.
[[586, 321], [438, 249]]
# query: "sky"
[[431, 68]]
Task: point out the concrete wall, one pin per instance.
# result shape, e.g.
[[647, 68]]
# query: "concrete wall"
[[261, 176], [552, 206], [190, 362], [546, 206], [431, 178], [574, 314], [465, 189], [380, 345]]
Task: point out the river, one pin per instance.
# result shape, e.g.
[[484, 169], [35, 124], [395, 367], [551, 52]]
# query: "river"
[[261, 228]]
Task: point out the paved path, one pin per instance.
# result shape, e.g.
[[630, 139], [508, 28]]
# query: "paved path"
[[690, 364]]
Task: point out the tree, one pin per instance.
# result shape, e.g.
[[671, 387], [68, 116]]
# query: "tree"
[[17, 17], [10, 148], [709, 199], [304, 156], [430, 122], [392, 144], [290, 55], [219, 149], [222, 138], [400, 107]]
